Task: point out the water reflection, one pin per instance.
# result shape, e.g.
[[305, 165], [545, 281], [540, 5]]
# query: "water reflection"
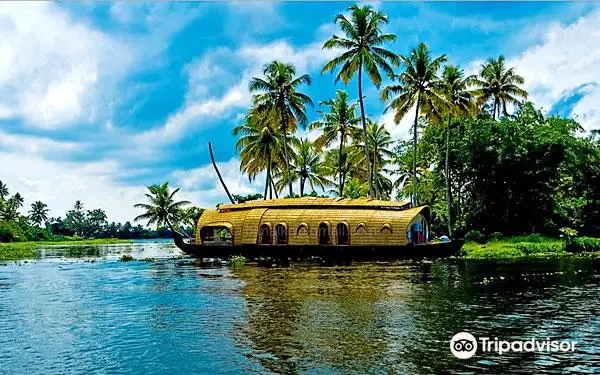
[[399, 318], [69, 315]]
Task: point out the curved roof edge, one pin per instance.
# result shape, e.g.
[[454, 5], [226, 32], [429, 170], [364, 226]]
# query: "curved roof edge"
[[317, 202]]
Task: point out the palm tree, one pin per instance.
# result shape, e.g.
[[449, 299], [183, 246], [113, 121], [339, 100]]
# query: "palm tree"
[[260, 144], [308, 168], [355, 189], [3, 191], [339, 124], [38, 213], [362, 50], [499, 84], [278, 89], [161, 209], [16, 200], [418, 85], [459, 99], [380, 142]]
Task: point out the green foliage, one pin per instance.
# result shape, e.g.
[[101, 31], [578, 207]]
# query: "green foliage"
[[529, 248], [15, 251], [246, 198], [580, 244], [126, 258], [237, 261], [10, 231], [511, 248], [496, 236], [475, 236]]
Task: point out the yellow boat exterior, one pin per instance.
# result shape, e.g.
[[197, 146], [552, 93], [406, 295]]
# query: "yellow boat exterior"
[[368, 222]]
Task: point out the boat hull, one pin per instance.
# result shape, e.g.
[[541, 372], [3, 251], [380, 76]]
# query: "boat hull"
[[329, 252]]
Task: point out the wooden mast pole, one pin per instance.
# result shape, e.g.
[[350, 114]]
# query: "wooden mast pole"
[[212, 158]]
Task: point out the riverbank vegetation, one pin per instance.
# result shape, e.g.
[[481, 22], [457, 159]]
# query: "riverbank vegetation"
[[78, 224]]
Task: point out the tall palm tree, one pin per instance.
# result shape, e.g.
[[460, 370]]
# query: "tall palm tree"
[[338, 124], [278, 89], [162, 208], [500, 84], [459, 98], [308, 167], [418, 85], [362, 50], [260, 144], [17, 200], [380, 142], [38, 213], [3, 191]]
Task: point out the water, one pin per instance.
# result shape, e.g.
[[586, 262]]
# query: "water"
[[80, 311]]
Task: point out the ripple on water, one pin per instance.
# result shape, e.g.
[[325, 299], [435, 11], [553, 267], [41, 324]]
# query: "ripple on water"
[[65, 315]]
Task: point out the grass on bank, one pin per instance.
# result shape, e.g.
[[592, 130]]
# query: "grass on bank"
[[533, 245], [28, 249]]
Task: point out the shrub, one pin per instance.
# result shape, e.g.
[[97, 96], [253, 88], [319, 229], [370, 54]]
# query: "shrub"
[[237, 261], [126, 258], [579, 244], [529, 248], [532, 238], [496, 236], [11, 232], [475, 236]]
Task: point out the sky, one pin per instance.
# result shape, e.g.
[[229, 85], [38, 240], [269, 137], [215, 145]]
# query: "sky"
[[99, 100]]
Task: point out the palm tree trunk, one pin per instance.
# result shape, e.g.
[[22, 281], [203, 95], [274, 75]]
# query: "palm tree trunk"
[[212, 158], [302, 181], [269, 177], [284, 126], [414, 176], [274, 188], [364, 126], [340, 165], [448, 200]]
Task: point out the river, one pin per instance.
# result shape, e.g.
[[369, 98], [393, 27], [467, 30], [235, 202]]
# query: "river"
[[78, 310]]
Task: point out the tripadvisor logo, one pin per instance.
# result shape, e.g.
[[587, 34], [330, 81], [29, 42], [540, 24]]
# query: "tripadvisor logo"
[[464, 345]]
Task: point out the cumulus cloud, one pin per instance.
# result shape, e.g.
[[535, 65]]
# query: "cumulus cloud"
[[52, 67], [567, 59], [207, 74]]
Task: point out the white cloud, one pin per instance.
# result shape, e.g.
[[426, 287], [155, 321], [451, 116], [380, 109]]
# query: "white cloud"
[[35, 145], [567, 59], [204, 187], [53, 68], [60, 184], [401, 131], [246, 62]]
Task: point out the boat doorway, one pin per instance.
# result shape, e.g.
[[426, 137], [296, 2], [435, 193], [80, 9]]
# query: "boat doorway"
[[324, 238], [216, 235]]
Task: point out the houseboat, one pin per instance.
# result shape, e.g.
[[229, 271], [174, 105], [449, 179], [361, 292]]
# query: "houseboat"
[[310, 227]]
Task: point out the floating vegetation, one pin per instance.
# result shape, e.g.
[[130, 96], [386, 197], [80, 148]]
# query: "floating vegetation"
[[126, 258], [237, 261]]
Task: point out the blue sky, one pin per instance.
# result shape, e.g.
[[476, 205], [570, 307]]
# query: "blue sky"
[[98, 100]]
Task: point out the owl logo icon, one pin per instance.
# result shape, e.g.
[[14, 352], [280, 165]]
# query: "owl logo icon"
[[463, 345]]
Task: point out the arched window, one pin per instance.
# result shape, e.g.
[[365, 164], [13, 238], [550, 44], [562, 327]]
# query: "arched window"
[[343, 237], [324, 238], [361, 227], [281, 234], [302, 230], [264, 235], [386, 228]]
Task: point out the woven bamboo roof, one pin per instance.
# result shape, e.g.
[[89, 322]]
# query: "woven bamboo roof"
[[317, 202]]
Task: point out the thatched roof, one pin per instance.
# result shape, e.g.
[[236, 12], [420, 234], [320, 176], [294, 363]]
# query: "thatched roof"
[[316, 202]]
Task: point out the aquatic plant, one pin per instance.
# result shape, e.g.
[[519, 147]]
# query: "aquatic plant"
[[126, 258], [237, 261]]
